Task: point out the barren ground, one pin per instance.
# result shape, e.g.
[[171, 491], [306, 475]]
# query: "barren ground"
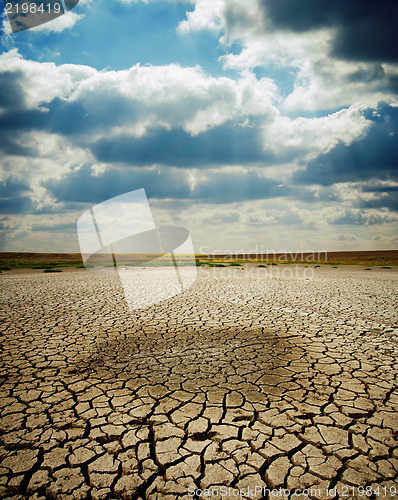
[[245, 380]]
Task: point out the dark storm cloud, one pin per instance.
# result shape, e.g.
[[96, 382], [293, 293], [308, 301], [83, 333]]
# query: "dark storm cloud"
[[14, 117], [384, 197], [91, 115], [366, 29], [14, 121], [19, 204], [220, 187], [14, 197], [62, 117], [11, 93], [228, 144], [373, 156], [83, 187], [10, 144], [388, 200], [10, 188], [380, 189]]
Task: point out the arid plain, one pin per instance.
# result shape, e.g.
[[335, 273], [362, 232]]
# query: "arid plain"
[[253, 383]]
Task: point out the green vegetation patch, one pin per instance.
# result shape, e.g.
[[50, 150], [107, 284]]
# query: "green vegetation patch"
[[24, 260], [211, 264]]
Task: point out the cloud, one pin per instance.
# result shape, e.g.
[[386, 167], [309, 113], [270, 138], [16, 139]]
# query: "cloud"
[[364, 30], [359, 217], [35, 156], [140, 97], [385, 200], [11, 187], [16, 205], [15, 196], [320, 82], [347, 237], [336, 56], [6, 26], [385, 241], [37, 232], [40, 83], [207, 15], [64, 22], [55, 228], [224, 217], [372, 156], [309, 137]]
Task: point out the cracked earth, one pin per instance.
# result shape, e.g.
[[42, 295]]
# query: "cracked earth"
[[243, 380]]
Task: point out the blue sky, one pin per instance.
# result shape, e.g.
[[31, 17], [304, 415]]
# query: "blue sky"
[[116, 36], [250, 123]]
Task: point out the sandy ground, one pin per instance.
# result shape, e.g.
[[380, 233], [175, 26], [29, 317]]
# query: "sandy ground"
[[246, 385]]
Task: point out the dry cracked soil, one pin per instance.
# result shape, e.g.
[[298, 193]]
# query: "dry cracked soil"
[[246, 385]]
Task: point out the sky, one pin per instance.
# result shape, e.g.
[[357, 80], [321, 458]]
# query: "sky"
[[260, 124]]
